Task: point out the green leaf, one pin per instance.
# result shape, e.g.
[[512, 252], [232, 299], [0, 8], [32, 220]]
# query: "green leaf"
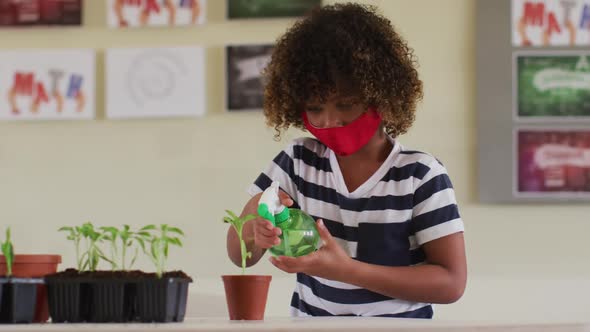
[[175, 230], [233, 215], [65, 228], [148, 227], [175, 241], [133, 259], [141, 243], [154, 248]]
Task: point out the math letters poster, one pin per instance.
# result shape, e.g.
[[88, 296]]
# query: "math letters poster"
[[47, 84], [155, 13], [540, 23]]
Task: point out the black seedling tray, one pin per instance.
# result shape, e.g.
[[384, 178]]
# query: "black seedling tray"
[[18, 299]]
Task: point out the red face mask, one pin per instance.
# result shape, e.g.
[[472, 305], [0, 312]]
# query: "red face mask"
[[348, 139]]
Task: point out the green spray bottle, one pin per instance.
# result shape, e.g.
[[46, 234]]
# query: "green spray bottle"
[[299, 235]]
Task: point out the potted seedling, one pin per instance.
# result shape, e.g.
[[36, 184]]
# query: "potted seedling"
[[162, 296], [33, 266], [245, 294], [18, 295]]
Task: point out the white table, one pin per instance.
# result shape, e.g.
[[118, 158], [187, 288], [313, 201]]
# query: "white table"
[[313, 324]]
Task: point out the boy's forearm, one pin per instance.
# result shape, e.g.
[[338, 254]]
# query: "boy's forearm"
[[427, 283]]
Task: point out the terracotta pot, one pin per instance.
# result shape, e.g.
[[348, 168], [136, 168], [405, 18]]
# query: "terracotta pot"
[[246, 296], [34, 266]]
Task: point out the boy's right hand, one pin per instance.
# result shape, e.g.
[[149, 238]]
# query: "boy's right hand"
[[265, 234]]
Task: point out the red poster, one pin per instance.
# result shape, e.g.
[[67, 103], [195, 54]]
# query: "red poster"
[[40, 12], [553, 161]]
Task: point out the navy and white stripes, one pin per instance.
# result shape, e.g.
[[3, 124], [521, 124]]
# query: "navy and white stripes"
[[406, 203]]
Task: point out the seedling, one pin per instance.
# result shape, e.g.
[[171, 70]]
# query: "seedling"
[[127, 239], [111, 234], [8, 252], [75, 235], [91, 257], [238, 224], [159, 244]]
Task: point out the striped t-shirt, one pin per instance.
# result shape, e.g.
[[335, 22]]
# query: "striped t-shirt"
[[406, 203]]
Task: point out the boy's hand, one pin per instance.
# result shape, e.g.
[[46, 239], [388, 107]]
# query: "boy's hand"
[[329, 262], [265, 234]]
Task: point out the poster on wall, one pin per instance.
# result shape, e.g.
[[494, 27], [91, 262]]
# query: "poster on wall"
[[243, 9], [155, 13], [40, 12], [155, 82], [553, 162], [552, 86], [539, 23], [245, 63], [47, 84]]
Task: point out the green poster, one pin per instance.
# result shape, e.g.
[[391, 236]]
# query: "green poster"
[[269, 8], [553, 85]]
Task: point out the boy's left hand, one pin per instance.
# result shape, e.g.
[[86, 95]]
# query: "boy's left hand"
[[329, 262]]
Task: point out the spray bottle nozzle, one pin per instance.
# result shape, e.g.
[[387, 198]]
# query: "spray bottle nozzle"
[[270, 207]]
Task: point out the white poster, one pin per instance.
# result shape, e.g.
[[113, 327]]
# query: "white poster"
[[142, 13], [550, 23], [155, 82], [47, 84]]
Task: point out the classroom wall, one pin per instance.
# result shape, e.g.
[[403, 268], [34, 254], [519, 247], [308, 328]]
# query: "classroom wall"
[[526, 262]]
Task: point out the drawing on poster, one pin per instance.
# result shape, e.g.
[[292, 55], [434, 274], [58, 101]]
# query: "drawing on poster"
[[553, 162], [40, 12], [552, 86], [542, 23], [47, 84], [245, 86], [145, 13], [155, 82], [252, 9]]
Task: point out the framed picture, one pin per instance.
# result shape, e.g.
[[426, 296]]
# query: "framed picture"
[[543, 23], [552, 86], [47, 84], [245, 87], [552, 163], [155, 82], [245, 9], [40, 12], [155, 13]]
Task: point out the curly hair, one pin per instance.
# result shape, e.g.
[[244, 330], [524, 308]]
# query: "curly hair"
[[342, 44]]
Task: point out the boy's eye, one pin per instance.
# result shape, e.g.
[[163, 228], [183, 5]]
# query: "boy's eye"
[[313, 109], [344, 105]]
